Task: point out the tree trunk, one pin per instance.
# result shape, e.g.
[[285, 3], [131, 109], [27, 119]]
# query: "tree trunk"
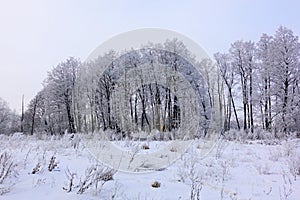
[[70, 116], [266, 112], [270, 103], [33, 117], [22, 115], [285, 100], [234, 110], [251, 100]]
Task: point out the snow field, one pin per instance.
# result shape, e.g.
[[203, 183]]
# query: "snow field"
[[232, 170]]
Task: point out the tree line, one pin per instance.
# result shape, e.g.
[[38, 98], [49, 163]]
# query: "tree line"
[[253, 85]]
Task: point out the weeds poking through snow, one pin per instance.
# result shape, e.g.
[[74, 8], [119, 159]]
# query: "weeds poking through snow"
[[116, 191], [225, 171], [288, 148], [7, 169], [263, 168], [52, 164], [6, 166], [221, 145], [190, 172], [196, 190], [26, 157], [71, 177], [94, 176], [287, 187], [268, 192], [36, 169], [294, 166], [275, 154], [39, 182], [4, 190], [133, 153]]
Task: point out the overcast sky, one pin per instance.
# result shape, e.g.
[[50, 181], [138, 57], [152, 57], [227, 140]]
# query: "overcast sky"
[[36, 35]]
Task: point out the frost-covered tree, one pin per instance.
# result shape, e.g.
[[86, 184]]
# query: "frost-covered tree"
[[34, 117], [4, 117], [286, 52], [59, 86], [242, 54], [9, 120], [228, 75], [95, 92], [265, 67], [86, 87], [213, 80]]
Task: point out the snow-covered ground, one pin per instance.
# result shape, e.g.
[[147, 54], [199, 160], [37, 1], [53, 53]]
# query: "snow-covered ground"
[[232, 170]]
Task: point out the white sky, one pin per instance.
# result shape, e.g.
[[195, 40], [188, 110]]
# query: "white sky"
[[36, 35]]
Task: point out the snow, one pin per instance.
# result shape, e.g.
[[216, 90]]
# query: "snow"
[[231, 170]]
